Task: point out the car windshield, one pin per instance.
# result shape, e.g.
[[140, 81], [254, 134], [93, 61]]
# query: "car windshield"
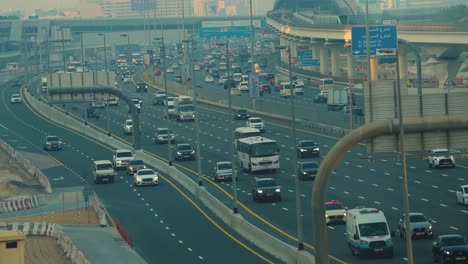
[[255, 120], [129, 123], [333, 206], [187, 108], [441, 152], [309, 165], [267, 183], [242, 111], [137, 162], [224, 166], [124, 154], [307, 144], [417, 218], [145, 172], [170, 107], [52, 139], [105, 166], [453, 241], [163, 131], [465, 189], [373, 229], [184, 147]]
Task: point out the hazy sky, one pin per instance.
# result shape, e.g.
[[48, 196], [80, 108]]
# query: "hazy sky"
[[30, 5]]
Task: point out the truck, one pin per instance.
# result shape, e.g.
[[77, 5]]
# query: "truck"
[[44, 84], [337, 98], [184, 108], [367, 232]]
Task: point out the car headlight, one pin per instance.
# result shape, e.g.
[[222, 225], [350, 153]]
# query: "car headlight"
[[155, 178], [259, 191], [316, 149], [179, 153], [326, 215], [130, 168], [304, 172], [48, 143], [277, 190], [363, 242], [344, 214], [303, 150], [447, 252], [429, 228], [138, 179], [192, 152]]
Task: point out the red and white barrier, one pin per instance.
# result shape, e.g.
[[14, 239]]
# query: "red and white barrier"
[[19, 203]]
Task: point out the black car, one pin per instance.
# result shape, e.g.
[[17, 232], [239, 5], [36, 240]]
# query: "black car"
[[266, 189], [241, 114], [450, 249], [16, 83], [320, 99], [52, 143], [307, 170], [307, 148], [141, 87], [159, 100], [183, 152], [92, 112]]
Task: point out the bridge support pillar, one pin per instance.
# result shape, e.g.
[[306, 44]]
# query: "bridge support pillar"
[[293, 45], [374, 67], [444, 70], [351, 64], [315, 56], [324, 60], [335, 60], [403, 63]]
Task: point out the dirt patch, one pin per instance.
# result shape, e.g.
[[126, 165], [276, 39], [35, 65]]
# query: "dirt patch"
[[69, 217], [43, 250]]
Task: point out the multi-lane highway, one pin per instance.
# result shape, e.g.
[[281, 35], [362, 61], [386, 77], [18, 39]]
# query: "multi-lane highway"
[[166, 223], [356, 181]]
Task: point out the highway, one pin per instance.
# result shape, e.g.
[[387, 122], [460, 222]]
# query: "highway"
[[166, 223], [355, 182]]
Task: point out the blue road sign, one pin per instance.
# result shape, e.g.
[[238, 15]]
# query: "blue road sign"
[[382, 39], [304, 58], [263, 23], [225, 32]]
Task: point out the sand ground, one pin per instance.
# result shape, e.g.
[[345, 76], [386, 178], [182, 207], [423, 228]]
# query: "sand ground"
[[38, 250]]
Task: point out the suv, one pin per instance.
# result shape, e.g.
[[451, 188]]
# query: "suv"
[[128, 127], [184, 151], [52, 142], [121, 157], [160, 98], [103, 171], [223, 171], [162, 135], [419, 224], [141, 87], [138, 103], [134, 165], [92, 112], [266, 189], [440, 157], [255, 122], [307, 170]]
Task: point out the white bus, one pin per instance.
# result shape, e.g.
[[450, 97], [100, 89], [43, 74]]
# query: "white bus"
[[325, 84], [257, 154], [245, 132]]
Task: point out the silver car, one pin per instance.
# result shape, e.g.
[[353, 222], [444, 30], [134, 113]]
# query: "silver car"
[[223, 171], [419, 224]]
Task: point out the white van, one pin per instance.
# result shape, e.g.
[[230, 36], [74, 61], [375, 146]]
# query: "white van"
[[103, 171], [237, 77], [367, 232]]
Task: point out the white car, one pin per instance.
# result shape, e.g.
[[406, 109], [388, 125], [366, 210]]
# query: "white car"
[[145, 177], [441, 158], [335, 212], [121, 157], [128, 127], [126, 79], [209, 79], [15, 99], [255, 122], [243, 86], [170, 70], [462, 194], [196, 67]]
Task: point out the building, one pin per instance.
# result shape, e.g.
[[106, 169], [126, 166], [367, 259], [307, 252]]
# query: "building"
[[12, 247]]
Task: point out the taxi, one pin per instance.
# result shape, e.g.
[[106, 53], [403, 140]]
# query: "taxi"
[[335, 212]]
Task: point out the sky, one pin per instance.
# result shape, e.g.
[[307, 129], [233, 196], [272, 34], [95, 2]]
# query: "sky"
[[28, 6]]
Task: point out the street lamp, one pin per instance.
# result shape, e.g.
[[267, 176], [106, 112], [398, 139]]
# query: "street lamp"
[[163, 54], [197, 118], [128, 51], [105, 52], [293, 131], [231, 127], [48, 49]]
